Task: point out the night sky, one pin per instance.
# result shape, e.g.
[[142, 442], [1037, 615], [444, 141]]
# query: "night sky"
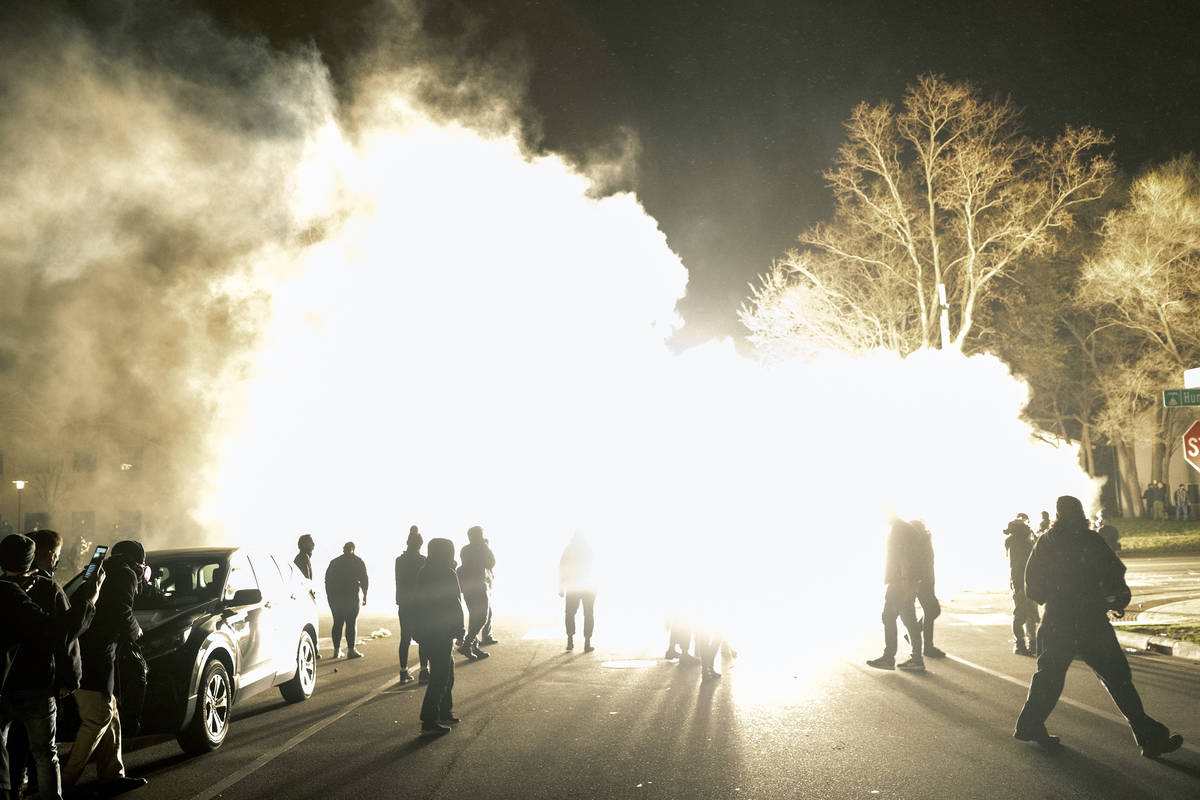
[[737, 108]]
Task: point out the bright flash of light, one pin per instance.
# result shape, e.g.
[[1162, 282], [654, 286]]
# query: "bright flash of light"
[[484, 342]]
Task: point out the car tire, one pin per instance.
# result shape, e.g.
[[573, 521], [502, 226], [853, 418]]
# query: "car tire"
[[209, 725], [301, 686]]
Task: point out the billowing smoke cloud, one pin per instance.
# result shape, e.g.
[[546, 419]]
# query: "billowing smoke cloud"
[[349, 318]]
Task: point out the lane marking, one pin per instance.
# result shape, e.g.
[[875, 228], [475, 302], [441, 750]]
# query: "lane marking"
[[1062, 698], [269, 756]]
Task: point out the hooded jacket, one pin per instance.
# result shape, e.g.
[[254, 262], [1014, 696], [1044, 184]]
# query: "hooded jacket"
[[438, 600], [408, 566], [114, 624], [22, 621], [1074, 573]]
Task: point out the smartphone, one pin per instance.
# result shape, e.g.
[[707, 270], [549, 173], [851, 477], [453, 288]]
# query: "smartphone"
[[97, 559]]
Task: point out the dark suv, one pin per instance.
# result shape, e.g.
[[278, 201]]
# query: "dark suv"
[[219, 625]]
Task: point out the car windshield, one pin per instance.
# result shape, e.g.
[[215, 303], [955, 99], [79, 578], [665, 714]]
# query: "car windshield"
[[177, 581]]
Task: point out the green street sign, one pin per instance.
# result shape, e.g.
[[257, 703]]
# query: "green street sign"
[[1181, 397]]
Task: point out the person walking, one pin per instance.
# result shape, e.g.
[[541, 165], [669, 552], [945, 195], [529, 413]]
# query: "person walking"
[[1108, 532], [344, 579], [477, 559], [408, 566], [1181, 504], [577, 584], [1018, 543], [100, 724], [900, 573], [1079, 580], [439, 621], [931, 609]]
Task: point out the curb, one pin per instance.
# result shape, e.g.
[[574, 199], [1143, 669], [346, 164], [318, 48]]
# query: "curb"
[[1160, 645]]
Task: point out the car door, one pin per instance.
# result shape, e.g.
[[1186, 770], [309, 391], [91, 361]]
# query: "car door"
[[245, 621], [279, 642]]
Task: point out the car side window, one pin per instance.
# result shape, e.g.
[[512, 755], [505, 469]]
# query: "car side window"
[[241, 576], [268, 575]]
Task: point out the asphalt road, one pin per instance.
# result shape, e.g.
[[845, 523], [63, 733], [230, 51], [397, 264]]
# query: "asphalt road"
[[808, 721]]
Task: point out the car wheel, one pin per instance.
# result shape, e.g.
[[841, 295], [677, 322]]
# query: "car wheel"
[[210, 723], [301, 686]]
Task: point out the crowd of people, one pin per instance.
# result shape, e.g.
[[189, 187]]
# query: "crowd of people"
[[1066, 580], [60, 649]]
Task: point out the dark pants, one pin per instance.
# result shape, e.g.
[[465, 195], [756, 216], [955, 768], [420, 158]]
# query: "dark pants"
[[898, 602], [439, 700], [931, 609], [477, 611], [34, 712], [486, 631], [344, 614], [1025, 616], [574, 599], [1095, 642], [405, 615]]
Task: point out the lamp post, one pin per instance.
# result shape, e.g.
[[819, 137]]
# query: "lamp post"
[[20, 485]]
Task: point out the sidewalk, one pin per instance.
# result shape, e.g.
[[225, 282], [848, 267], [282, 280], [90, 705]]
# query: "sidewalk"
[[1184, 611]]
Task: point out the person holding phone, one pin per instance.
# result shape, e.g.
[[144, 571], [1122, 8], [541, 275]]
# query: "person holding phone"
[[100, 726], [37, 624]]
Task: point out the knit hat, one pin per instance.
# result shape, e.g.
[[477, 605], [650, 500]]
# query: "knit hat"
[[129, 549], [16, 553]]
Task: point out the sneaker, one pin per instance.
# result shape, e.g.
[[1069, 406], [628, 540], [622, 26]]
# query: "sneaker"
[[479, 654], [405, 677], [337, 653], [934, 652], [587, 646], [914, 664], [489, 640], [423, 677], [433, 729], [570, 642], [354, 654], [1162, 746], [883, 662], [467, 651], [450, 720], [672, 654], [1038, 737], [1019, 649]]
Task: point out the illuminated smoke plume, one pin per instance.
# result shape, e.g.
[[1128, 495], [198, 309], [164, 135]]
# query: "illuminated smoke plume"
[[347, 320]]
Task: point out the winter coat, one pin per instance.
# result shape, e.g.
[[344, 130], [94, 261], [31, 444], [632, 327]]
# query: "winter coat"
[[24, 622], [346, 575], [42, 666], [1075, 574], [408, 565], [438, 603], [113, 625], [902, 564], [1018, 544], [477, 558]]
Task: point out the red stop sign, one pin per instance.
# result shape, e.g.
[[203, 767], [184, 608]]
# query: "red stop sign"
[[1191, 445]]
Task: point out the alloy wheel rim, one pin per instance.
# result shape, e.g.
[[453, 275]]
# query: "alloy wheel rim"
[[308, 665], [216, 706]]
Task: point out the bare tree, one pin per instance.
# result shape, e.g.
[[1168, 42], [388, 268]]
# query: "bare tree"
[[1145, 282], [935, 203]]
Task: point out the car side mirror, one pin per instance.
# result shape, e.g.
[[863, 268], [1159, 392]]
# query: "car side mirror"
[[245, 597]]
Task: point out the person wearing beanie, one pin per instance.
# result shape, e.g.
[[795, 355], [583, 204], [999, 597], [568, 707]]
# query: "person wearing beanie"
[[36, 621], [408, 564], [100, 726], [439, 621], [1079, 580]]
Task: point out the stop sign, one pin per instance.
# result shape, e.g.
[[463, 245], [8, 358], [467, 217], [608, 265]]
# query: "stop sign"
[[1191, 445]]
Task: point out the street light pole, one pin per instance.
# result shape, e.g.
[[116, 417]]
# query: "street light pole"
[[20, 485]]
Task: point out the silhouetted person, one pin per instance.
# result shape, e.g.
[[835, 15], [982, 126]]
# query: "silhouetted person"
[[408, 565], [303, 560], [900, 574], [100, 724], [439, 621], [1044, 525], [577, 583], [1079, 580], [344, 579], [931, 609], [477, 559], [1109, 533], [1018, 543]]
